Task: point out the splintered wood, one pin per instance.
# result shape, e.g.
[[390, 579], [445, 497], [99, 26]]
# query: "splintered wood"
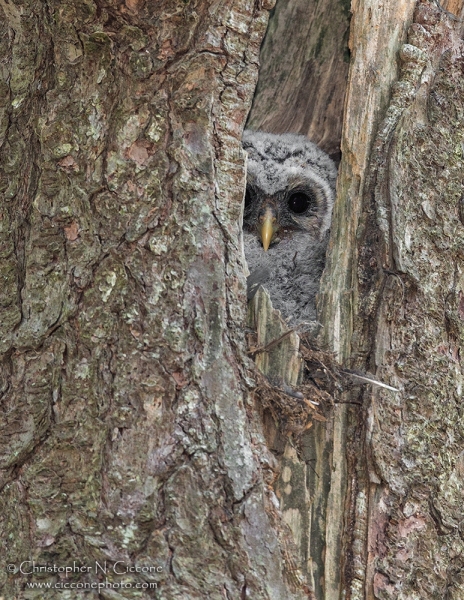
[[297, 382]]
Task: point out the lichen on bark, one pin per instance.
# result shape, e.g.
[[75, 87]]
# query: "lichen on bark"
[[409, 325], [128, 434]]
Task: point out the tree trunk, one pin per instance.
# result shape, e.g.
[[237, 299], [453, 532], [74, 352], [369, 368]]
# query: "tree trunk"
[[128, 435], [394, 304]]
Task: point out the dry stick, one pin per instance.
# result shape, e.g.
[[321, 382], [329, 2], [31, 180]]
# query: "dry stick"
[[271, 344], [369, 380]]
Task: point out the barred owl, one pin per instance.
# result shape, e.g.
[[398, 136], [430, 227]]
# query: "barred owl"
[[288, 205]]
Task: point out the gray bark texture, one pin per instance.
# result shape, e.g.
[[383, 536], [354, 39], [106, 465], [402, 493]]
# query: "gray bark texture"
[[392, 294], [127, 430]]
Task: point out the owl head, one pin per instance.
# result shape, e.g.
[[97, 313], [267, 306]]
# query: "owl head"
[[290, 186]]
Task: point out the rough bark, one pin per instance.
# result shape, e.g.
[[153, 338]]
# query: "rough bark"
[[127, 432], [395, 303]]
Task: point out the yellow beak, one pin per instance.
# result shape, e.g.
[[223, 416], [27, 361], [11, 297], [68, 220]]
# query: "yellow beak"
[[267, 228]]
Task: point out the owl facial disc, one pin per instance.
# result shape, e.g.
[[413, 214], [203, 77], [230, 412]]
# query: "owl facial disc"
[[286, 219]]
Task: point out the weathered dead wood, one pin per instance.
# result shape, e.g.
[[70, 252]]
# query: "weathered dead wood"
[[303, 74], [393, 306], [455, 7], [376, 34], [297, 395], [410, 290]]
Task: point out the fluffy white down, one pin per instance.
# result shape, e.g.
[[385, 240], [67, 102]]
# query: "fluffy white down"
[[291, 269]]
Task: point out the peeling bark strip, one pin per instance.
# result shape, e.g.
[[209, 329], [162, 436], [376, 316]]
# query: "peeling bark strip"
[[126, 433]]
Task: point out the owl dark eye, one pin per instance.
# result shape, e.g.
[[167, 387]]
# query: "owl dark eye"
[[299, 202]]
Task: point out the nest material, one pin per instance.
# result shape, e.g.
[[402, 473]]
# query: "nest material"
[[294, 409]]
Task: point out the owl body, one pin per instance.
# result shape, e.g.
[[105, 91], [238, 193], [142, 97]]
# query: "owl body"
[[287, 216]]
